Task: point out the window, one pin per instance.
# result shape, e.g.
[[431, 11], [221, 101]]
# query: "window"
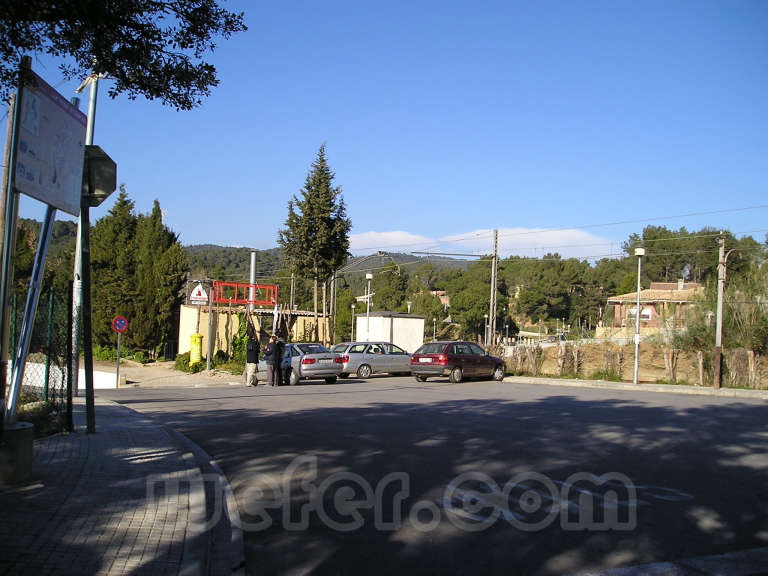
[[392, 349], [476, 349], [357, 349]]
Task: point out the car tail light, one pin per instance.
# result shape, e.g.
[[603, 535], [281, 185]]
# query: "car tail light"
[[340, 359], [308, 361], [442, 359]]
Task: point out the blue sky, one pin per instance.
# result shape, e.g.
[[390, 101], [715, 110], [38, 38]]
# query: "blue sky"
[[444, 120]]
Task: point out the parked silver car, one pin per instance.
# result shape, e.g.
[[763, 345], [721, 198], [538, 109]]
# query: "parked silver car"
[[366, 358], [307, 361]]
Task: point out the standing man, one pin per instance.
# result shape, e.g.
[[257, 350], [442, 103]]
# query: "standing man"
[[277, 374], [252, 358], [269, 358]]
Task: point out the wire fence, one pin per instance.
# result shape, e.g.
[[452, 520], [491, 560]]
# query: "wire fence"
[[45, 374]]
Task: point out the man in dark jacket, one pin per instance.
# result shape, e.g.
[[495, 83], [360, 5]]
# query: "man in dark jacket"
[[273, 356], [252, 359]]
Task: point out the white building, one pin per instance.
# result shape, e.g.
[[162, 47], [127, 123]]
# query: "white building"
[[404, 330]]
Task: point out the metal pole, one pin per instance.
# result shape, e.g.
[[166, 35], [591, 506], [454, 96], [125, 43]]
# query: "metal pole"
[[639, 252], [10, 218], [48, 345], [70, 421], [30, 308], [252, 289], [352, 339], [117, 367], [85, 310], [293, 285], [210, 326], [494, 275], [77, 286], [434, 329], [717, 363], [368, 277]]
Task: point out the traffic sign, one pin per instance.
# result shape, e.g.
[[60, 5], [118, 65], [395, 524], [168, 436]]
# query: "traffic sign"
[[198, 295], [119, 324]]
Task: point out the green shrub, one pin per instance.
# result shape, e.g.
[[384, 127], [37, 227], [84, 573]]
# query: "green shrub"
[[220, 358], [196, 367], [605, 375], [182, 362], [140, 356]]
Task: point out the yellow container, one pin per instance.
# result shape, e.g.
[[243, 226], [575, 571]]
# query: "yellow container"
[[195, 348]]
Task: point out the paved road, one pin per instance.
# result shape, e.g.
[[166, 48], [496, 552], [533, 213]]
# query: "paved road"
[[486, 477]]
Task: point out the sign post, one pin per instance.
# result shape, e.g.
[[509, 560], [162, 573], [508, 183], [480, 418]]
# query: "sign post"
[[119, 325]]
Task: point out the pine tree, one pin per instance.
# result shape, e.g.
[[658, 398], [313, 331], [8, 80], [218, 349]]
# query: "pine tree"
[[138, 269], [113, 270], [316, 234]]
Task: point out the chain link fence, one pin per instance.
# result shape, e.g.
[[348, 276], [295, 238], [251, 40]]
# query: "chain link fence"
[[45, 374]]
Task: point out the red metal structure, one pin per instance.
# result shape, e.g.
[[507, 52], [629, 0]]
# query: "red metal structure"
[[238, 293]]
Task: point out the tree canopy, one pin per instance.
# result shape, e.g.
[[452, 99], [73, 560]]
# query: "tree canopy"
[[151, 48]]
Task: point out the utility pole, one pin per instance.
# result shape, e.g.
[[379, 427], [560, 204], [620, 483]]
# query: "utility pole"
[[718, 360], [368, 277], [494, 274], [639, 252]]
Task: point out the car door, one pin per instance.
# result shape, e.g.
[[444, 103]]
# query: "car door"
[[399, 359], [483, 363], [462, 357], [375, 357]]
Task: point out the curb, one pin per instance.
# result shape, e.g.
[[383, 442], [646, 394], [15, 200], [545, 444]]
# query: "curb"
[[236, 547], [664, 388]]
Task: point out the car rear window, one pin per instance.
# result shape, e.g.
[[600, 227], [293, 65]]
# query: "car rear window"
[[340, 348], [312, 348], [431, 348]]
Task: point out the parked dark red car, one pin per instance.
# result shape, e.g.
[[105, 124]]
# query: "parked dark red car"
[[457, 360]]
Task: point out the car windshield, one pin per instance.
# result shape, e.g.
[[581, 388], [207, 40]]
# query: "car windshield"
[[311, 348], [431, 348]]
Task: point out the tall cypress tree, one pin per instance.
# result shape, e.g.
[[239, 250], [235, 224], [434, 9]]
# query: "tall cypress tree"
[[138, 270], [315, 239], [113, 270]]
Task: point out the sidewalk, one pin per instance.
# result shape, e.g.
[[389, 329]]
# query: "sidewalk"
[[129, 499], [642, 387]]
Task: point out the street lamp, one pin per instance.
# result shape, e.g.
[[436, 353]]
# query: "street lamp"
[[353, 324], [434, 329], [639, 252], [368, 277]]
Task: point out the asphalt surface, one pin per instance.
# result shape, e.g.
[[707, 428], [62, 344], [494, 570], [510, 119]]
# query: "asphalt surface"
[[391, 475]]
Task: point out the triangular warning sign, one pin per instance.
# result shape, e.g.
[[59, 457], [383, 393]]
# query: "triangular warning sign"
[[198, 294]]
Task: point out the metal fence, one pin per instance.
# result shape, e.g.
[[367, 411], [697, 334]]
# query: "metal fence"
[[45, 374]]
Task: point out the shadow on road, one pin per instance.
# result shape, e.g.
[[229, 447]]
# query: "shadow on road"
[[699, 470]]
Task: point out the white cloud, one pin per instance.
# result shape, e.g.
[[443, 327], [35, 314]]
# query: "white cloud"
[[528, 242], [394, 241], [536, 242]]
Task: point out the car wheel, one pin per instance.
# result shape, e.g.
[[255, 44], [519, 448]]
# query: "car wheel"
[[498, 373], [330, 380], [364, 371], [293, 379], [455, 375], [421, 378]]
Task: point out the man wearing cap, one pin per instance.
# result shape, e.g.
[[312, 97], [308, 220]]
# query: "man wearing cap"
[[273, 356]]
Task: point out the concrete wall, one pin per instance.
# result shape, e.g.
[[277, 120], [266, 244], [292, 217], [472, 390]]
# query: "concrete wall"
[[194, 319]]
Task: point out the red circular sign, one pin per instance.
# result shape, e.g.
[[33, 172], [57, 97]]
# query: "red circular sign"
[[119, 324]]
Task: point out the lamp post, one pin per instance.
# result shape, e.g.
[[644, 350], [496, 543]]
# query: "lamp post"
[[434, 329], [639, 252], [485, 330], [352, 339], [368, 277]]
